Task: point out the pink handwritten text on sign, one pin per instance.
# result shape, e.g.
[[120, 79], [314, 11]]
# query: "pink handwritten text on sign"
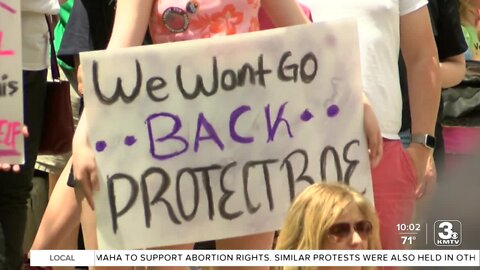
[[7, 7], [11, 93], [9, 131], [10, 9], [4, 52]]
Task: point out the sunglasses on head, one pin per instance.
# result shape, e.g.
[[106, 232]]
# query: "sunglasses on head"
[[343, 229]]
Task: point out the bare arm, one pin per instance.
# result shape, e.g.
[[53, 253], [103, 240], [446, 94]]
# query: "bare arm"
[[131, 21], [452, 70], [284, 12], [421, 59]]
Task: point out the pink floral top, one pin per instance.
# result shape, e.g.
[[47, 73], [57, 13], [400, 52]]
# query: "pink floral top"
[[212, 18]]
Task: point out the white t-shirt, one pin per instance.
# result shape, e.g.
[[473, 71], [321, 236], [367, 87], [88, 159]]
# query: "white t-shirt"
[[379, 36], [35, 49]]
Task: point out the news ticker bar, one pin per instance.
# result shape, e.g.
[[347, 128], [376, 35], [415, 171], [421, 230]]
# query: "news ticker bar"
[[255, 257]]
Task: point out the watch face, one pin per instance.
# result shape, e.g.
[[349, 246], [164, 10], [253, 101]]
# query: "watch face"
[[430, 141]]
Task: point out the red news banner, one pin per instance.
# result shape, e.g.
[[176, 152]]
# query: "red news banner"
[[11, 93]]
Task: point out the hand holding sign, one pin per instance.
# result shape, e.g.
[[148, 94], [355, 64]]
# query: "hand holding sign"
[[11, 93], [220, 137], [84, 168], [79, 71]]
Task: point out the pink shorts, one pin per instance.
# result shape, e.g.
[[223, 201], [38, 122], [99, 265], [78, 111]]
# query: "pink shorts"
[[394, 183]]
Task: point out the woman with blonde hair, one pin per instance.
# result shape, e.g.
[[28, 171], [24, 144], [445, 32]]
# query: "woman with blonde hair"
[[329, 216]]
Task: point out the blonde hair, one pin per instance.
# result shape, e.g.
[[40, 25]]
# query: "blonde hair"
[[315, 210]]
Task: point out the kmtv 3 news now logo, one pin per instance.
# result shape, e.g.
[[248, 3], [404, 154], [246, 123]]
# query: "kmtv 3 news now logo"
[[447, 233]]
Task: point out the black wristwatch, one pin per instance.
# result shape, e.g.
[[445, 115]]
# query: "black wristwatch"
[[426, 140]]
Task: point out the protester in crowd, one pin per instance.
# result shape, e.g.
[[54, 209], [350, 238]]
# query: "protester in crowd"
[[88, 28], [86, 16], [15, 186], [54, 164], [131, 20], [329, 216], [60, 224], [383, 28], [450, 46], [49, 167]]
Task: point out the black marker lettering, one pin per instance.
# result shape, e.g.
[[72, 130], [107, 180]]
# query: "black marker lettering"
[[307, 78], [153, 85], [266, 175], [302, 177], [246, 168], [323, 163], [282, 68], [208, 187], [119, 89], [199, 87], [231, 83], [196, 197], [158, 196], [352, 164], [227, 193], [115, 214]]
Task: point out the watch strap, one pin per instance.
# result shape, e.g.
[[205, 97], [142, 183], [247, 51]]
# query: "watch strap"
[[425, 139]]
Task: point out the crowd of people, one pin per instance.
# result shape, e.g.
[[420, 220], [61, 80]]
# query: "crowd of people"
[[409, 51]]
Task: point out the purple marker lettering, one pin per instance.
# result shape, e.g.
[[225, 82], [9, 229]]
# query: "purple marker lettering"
[[100, 146], [212, 135], [272, 130], [333, 110], [171, 136], [233, 122], [306, 115], [130, 140]]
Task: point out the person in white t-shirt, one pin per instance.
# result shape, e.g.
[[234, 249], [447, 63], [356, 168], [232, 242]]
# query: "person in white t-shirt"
[[384, 27], [15, 185]]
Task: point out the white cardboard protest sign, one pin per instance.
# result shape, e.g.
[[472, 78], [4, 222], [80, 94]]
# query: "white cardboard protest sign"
[[180, 163], [11, 93]]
